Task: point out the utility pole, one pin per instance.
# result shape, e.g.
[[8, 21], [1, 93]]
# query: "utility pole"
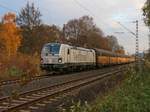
[[138, 60], [149, 43], [137, 41], [137, 57]]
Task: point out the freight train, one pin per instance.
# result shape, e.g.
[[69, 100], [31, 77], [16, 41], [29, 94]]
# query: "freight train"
[[63, 57]]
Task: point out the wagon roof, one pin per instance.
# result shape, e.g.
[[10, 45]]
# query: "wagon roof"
[[109, 53]]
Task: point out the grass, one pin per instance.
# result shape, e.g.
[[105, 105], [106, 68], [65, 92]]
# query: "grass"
[[132, 96]]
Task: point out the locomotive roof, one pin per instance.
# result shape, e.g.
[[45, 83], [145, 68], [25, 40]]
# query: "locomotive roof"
[[51, 43], [79, 48], [72, 47]]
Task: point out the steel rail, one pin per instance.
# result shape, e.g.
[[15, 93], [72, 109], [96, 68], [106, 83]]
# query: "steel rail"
[[14, 81]]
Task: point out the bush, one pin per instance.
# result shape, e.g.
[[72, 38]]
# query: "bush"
[[132, 96], [77, 107], [14, 71], [18, 66]]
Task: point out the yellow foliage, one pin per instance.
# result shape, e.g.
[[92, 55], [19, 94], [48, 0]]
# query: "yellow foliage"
[[10, 35], [120, 51]]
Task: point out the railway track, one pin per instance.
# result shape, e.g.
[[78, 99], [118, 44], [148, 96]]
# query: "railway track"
[[32, 100], [15, 81], [7, 82]]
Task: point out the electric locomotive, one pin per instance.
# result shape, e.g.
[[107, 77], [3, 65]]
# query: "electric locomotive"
[[58, 57]]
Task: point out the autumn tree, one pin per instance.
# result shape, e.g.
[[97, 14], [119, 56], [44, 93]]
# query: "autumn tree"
[[146, 13], [44, 34], [114, 46], [10, 37], [120, 50], [29, 20], [112, 42], [29, 17], [1, 42], [83, 32], [35, 33]]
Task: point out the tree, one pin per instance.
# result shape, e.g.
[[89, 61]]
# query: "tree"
[[45, 34], [112, 43], [1, 42], [146, 13], [29, 17], [120, 50], [29, 21], [83, 32], [35, 33], [10, 34]]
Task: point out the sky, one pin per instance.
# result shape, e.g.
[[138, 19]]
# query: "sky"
[[106, 14]]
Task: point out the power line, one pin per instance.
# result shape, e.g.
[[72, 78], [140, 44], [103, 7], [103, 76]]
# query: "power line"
[[5, 7], [127, 29], [88, 10], [82, 6]]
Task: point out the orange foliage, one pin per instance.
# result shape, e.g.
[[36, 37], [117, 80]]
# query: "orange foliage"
[[120, 51], [24, 65], [9, 18], [10, 35]]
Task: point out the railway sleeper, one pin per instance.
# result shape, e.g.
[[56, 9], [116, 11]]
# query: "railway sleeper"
[[47, 102], [33, 107], [32, 97], [38, 95], [18, 101], [24, 110], [5, 103], [40, 104], [25, 99]]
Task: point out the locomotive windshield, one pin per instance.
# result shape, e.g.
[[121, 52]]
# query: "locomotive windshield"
[[51, 48]]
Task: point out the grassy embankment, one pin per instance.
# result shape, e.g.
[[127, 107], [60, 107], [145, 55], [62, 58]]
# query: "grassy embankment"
[[133, 95]]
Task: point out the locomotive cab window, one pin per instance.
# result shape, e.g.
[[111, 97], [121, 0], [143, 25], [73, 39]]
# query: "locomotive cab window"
[[51, 49], [54, 48]]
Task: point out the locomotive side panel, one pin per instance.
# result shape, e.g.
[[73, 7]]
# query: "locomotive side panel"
[[81, 56], [75, 57]]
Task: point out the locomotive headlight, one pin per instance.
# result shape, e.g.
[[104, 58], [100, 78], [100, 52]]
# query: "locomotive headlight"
[[60, 60]]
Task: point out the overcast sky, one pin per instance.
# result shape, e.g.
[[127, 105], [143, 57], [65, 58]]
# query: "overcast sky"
[[106, 14]]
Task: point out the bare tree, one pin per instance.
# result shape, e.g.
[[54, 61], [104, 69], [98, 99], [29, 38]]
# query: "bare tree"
[[83, 32], [29, 17], [112, 43]]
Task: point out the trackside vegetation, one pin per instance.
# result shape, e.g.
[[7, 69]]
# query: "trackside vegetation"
[[133, 95]]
